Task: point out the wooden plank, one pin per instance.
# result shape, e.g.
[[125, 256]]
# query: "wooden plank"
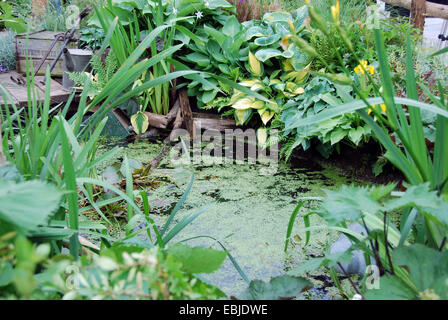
[[432, 9], [5, 82], [212, 122], [19, 92], [37, 46], [57, 92]]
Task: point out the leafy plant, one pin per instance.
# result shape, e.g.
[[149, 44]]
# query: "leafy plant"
[[400, 262], [400, 129], [101, 74], [7, 50], [9, 20], [319, 95]]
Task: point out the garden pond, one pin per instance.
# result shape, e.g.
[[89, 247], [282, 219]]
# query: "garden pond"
[[247, 211]]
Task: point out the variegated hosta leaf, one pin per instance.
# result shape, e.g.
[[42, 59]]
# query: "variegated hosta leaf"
[[262, 136], [254, 84], [255, 65], [273, 106], [265, 115], [236, 96], [242, 104], [242, 116], [287, 65], [140, 122]]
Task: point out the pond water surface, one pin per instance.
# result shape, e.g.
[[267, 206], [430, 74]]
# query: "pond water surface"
[[247, 211]]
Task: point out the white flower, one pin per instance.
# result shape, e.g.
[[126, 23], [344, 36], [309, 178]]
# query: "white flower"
[[199, 15], [206, 4], [174, 10]]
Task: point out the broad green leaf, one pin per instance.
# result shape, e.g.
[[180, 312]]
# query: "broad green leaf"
[[197, 260], [267, 41], [231, 27], [266, 54], [242, 115], [279, 287], [355, 134], [28, 204], [428, 268], [391, 288]]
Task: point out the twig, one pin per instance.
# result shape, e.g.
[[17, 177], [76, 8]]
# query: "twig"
[[349, 279]]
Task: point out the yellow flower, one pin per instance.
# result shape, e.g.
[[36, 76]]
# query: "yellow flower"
[[363, 66], [382, 106], [335, 11], [307, 1]]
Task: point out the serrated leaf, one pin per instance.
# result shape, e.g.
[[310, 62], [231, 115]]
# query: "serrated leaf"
[[28, 204]]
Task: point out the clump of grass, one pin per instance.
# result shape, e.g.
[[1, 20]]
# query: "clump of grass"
[[7, 50]]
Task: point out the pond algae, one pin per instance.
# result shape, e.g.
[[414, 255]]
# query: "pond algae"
[[247, 212]]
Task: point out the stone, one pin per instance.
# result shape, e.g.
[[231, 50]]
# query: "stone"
[[357, 264]]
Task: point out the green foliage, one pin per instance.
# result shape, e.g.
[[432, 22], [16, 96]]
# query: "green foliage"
[[410, 270], [250, 54], [103, 72], [399, 129], [29, 204], [7, 50], [428, 270], [321, 94], [9, 20], [116, 273], [282, 287]]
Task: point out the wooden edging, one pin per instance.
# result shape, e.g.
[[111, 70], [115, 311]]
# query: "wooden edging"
[[432, 9]]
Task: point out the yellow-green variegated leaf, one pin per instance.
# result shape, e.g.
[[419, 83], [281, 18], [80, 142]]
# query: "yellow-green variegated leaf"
[[254, 64], [258, 104], [287, 65], [262, 136], [245, 103], [256, 87], [140, 122], [236, 96], [273, 106], [265, 115], [249, 83], [242, 115]]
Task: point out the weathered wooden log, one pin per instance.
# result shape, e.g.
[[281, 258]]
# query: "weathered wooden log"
[[176, 125], [206, 121], [173, 112], [186, 113], [432, 9], [418, 11], [157, 120]]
